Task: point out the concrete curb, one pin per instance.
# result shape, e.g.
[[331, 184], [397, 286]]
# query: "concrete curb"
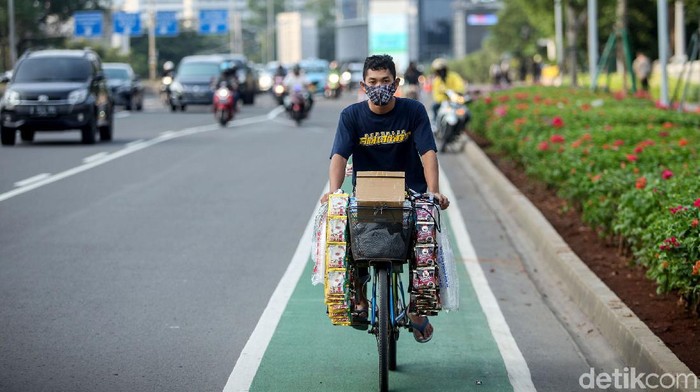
[[628, 335]]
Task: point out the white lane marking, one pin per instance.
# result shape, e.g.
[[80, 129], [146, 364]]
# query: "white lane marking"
[[518, 371], [95, 157], [275, 112], [128, 149], [248, 362], [124, 114], [131, 144], [32, 179]]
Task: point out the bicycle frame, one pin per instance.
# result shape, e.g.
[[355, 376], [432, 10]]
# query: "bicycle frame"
[[396, 287]]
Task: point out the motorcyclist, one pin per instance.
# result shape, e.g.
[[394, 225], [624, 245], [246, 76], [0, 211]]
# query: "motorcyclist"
[[297, 81], [444, 80], [166, 80], [168, 68], [280, 71], [412, 78], [228, 71]]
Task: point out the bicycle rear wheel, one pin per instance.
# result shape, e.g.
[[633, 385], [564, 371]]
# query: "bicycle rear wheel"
[[393, 332], [383, 330]]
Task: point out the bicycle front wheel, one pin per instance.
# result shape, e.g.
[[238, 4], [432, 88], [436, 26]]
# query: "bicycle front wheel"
[[384, 327]]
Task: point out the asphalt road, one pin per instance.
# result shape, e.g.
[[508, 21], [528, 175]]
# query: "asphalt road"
[[145, 264]]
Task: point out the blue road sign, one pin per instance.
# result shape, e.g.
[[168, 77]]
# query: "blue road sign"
[[213, 22], [127, 23], [88, 24], [166, 24]]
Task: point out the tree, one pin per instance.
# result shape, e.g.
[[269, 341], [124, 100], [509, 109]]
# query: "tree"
[[259, 24], [324, 10], [36, 22]]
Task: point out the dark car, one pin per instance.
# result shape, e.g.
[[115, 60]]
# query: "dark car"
[[195, 75], [248, 83], [57, 90], [125, 85]]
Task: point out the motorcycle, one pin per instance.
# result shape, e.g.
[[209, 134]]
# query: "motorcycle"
[[298, 104], [278, 89], [332, 87], [224, 104], [452, 119]]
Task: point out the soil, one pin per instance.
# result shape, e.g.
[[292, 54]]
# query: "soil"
[[665, 315]]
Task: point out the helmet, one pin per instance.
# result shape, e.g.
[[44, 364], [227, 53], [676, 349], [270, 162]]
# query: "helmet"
[[296, 68], [439, 63], [225, 66], [168, 66]]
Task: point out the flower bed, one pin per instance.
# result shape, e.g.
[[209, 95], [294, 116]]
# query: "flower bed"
[[631, 168]]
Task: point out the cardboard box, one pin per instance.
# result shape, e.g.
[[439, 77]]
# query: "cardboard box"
[[380, 188]]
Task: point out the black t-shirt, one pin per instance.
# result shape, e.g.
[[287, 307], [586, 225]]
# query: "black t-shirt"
[[387, 142]]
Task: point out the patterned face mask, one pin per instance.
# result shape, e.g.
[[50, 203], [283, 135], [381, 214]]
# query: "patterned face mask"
[[380, 95]]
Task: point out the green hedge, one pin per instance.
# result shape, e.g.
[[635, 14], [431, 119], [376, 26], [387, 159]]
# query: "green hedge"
[[630, 167]]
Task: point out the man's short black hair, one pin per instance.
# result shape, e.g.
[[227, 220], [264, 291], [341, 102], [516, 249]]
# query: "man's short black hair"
[[379, 62]]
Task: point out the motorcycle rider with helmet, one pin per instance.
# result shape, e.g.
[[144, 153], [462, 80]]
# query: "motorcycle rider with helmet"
[[228, 76], [444, 80], [297, 81]]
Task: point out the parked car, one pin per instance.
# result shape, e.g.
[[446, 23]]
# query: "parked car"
[[126, 87], [57, 90]]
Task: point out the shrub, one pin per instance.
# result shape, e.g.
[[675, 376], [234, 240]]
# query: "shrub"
[[632, 169]]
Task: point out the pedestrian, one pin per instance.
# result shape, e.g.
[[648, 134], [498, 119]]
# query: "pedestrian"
[[642, 69]]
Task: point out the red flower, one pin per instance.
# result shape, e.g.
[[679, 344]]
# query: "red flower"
[[543, 146], [666, 174], [683, 142], [663, 134], [631, 157], [667, 125], [660, 105], [669, 243], [488, 100], [557, 122], [694, 223], [556, 138], [675, 210], [585, 107], [697, 203], [519, 121], [500, 111], [618, 142], [641, 183]]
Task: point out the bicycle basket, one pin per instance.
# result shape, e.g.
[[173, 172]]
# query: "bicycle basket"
[[380, 233]]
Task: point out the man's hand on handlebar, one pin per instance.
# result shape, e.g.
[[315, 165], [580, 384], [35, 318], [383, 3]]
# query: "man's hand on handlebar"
[[441, 200]]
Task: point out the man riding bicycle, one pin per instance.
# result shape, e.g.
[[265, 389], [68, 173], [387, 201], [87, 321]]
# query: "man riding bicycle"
[[387, 133]]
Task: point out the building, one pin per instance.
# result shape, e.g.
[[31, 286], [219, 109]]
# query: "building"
[[432, 28]]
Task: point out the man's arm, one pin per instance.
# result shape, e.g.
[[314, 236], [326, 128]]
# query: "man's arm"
[[432, 177], [336, 174]]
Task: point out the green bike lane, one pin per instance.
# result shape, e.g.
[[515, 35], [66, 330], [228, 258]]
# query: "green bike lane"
[[307, 353]]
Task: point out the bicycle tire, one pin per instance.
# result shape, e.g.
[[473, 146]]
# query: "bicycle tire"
[[393, 337], [383, 330]]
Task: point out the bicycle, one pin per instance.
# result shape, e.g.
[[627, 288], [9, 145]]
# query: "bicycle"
[[381, 239]]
